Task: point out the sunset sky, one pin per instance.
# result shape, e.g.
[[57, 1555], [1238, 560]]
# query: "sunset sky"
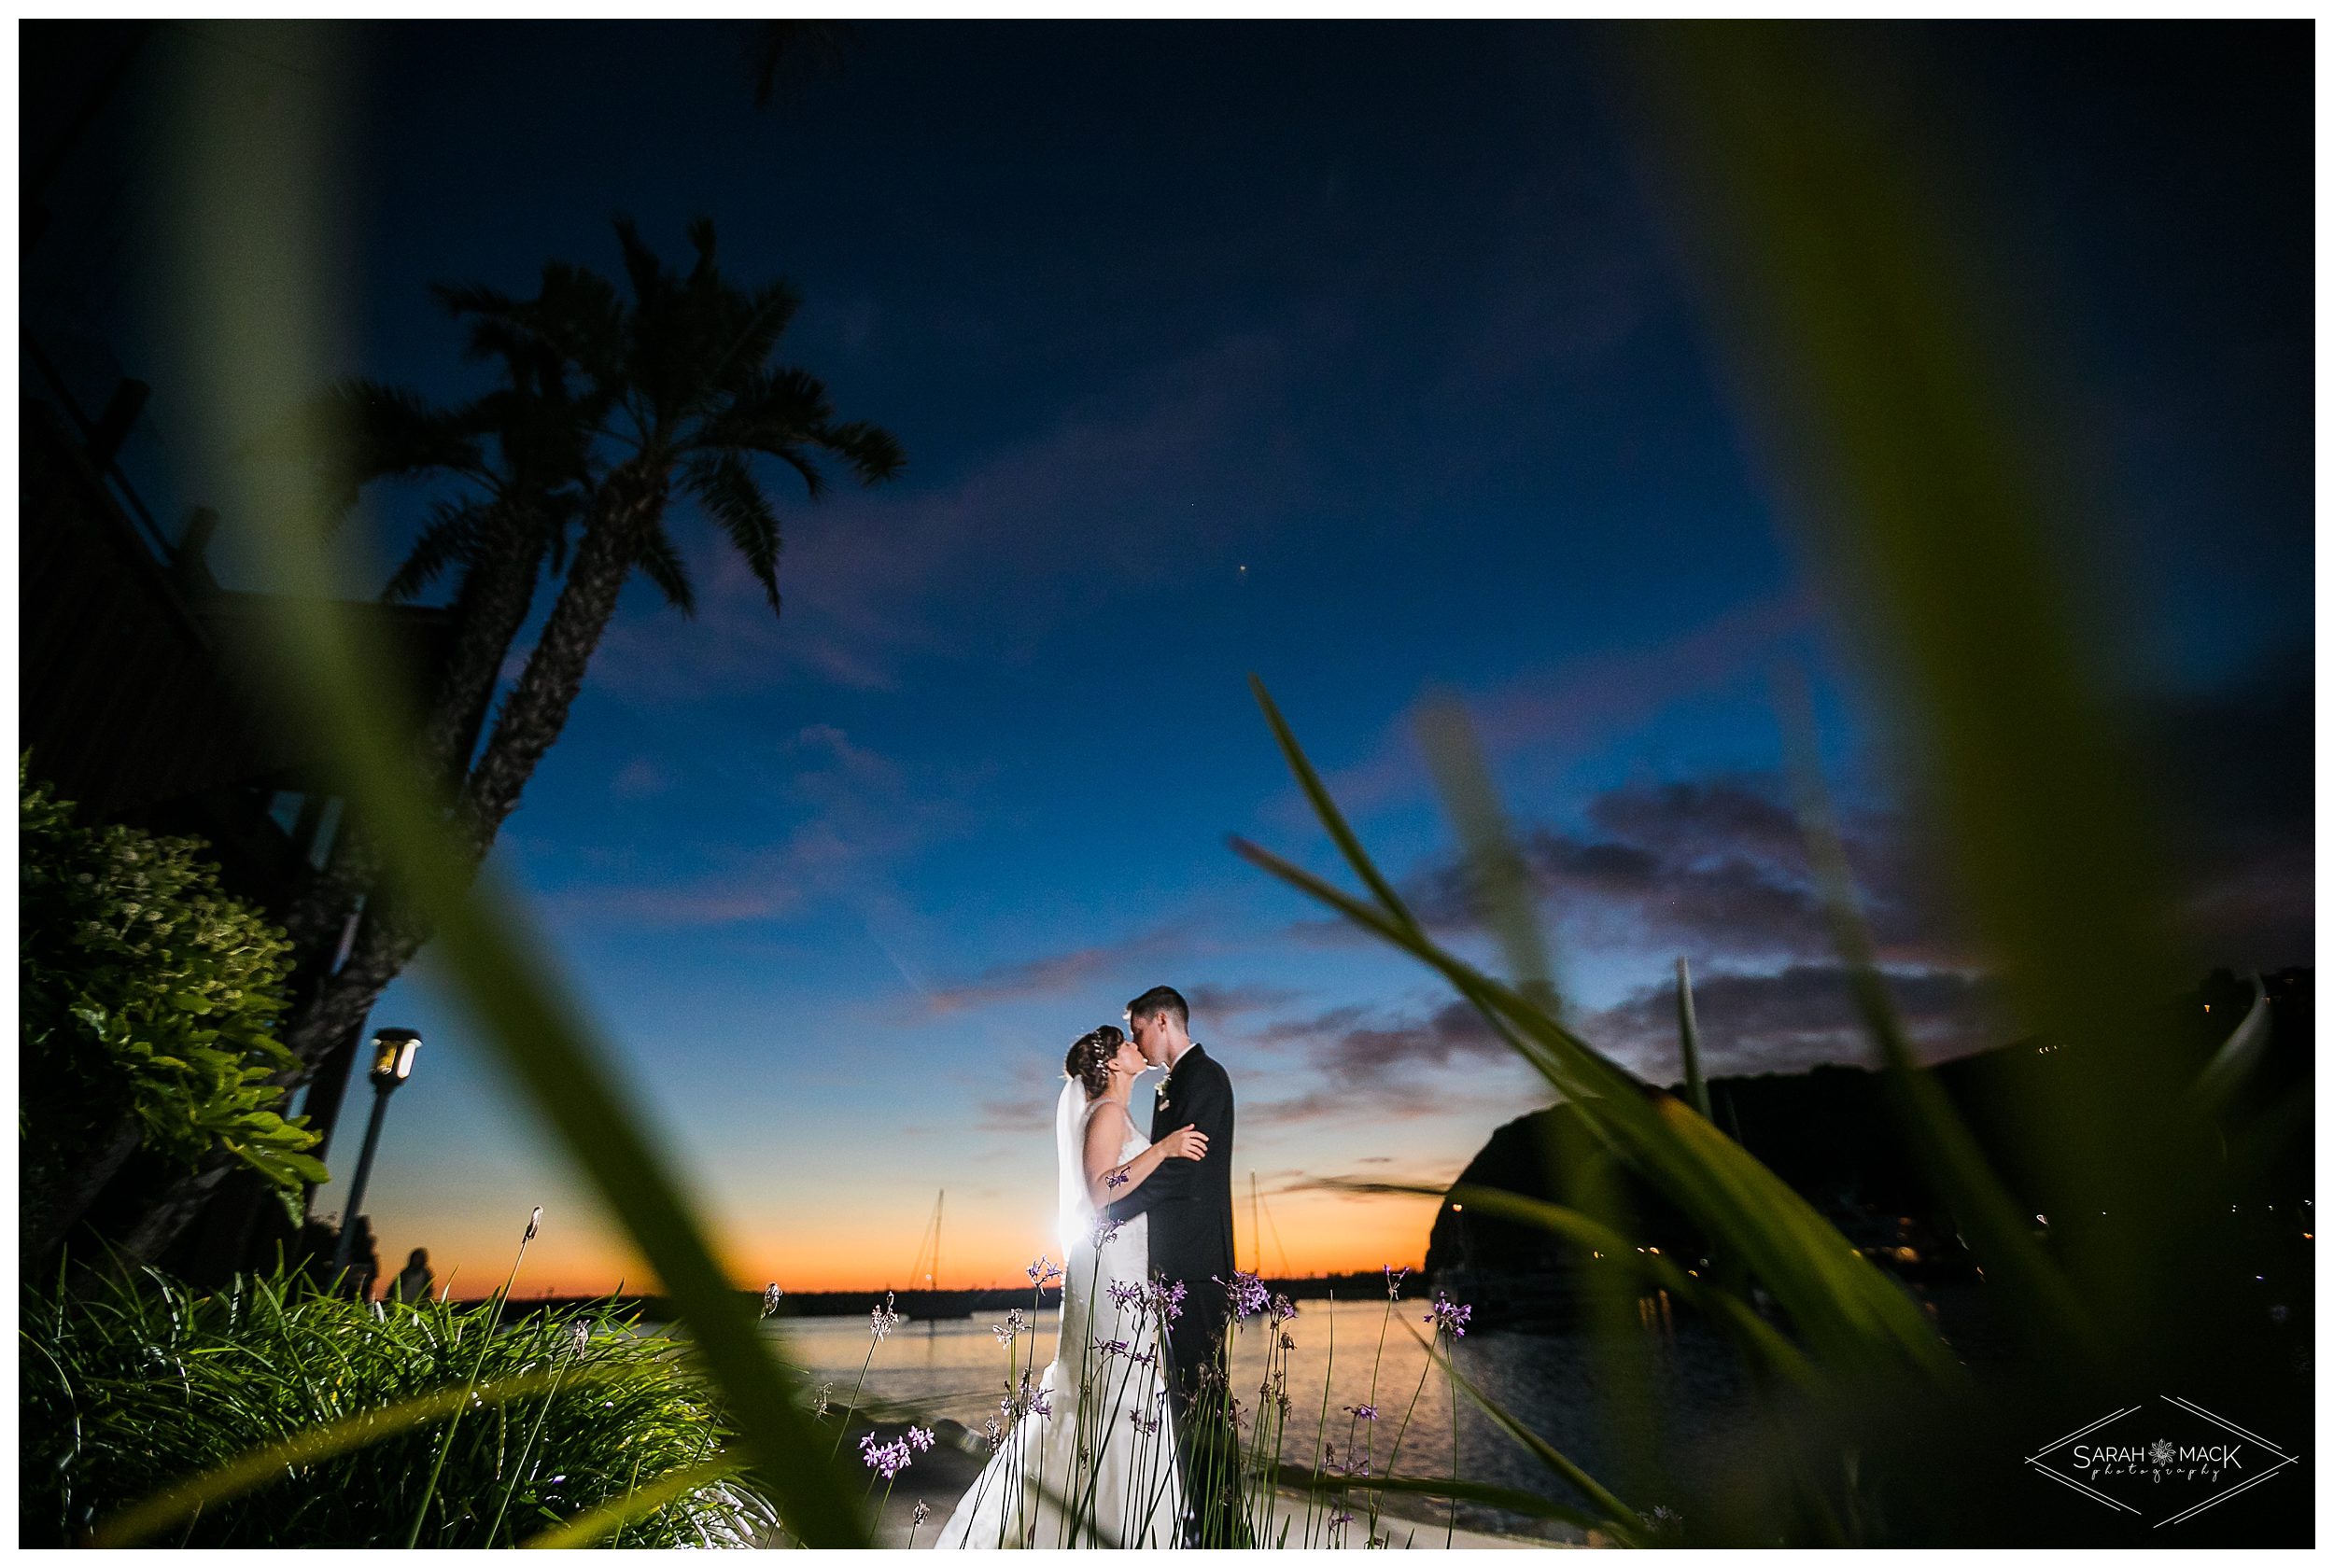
[[1352, 355]]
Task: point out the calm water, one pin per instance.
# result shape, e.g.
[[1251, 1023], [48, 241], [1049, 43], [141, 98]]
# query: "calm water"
[[957, 1370]]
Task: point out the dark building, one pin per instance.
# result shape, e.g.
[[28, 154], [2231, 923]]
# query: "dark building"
[[143, 700]]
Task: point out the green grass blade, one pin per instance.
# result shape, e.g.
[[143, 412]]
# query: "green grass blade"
[[1758, 1335], [1935, 480], [1497, 871], [1837, 1299], [2042, 1303], [1326, 809], [1617, 1518], [595, 1525], [259, 316], [274, 1462]]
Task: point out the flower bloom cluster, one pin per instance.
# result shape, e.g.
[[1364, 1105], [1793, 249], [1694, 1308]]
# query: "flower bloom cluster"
[[1010, 1330], [1126, 1294], [1363, 1412], [921, 1512], [1283, 1310], [1167, 1298], [1043, 1272], [1029, 1399], [886, 1458], [1394, 1278], [1147, 1425], [1246, 1291], [1116, 1179], [883, 1320], [1106, 1231], [1449, 1316], [771, 1296]]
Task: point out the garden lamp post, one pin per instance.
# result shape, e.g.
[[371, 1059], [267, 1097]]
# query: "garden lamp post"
[[392, 1064]]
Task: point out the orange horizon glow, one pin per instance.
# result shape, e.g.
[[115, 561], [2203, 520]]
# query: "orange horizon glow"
[[1309, 1235]]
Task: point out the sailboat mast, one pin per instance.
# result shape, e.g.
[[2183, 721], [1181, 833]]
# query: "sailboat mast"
[[1256, 1230], [936, 1236]]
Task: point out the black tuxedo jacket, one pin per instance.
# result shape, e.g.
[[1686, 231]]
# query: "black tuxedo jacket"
[[1189, 1201]]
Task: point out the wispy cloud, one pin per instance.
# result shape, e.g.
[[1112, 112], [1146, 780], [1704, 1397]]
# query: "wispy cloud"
[[1111, 498], [859, 816], [1794, 1018], [1582, 702], [1057, 974]]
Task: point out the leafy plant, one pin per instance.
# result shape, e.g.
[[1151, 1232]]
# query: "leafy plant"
[[133, 1390], [149, 1000]]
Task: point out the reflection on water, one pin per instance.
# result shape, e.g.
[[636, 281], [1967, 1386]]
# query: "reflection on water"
[[957, 1370]]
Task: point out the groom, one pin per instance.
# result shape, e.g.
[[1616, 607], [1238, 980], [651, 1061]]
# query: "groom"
[[1189, 1202]]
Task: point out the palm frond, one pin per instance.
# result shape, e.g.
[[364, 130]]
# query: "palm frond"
[[450, 538], [873, 453], [660, 562], [727, 488]]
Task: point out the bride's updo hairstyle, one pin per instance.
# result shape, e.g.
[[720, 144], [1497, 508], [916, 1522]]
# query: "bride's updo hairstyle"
[[1089, 1060]]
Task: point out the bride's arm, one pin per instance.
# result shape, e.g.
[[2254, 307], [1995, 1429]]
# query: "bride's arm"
[[1106, 1180]]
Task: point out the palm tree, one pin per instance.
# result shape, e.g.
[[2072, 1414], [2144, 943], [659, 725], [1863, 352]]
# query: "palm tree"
[[612, 406], [519, 457]]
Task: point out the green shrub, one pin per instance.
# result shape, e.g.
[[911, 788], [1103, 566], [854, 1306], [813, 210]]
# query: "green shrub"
[[147, 1001], [146, 1385]]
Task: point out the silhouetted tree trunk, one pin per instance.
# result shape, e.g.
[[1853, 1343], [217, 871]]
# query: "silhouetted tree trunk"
[[389, 936]]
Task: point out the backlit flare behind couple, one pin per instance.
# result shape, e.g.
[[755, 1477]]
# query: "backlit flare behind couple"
[[1122, 1440]]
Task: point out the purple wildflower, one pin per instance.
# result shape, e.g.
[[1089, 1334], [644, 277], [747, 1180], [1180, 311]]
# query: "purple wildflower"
[[994, 1433], [1116, 1179], [1245, 1291], [1394, 1278], [1167, 1298], [1043, 1271], [882, 1321], [1449, 1316], [1282, 1308], [1363, 1412], [891, 1458], [1105, 1232], [1125, 1294], [1010, 1330], [920, 1439]]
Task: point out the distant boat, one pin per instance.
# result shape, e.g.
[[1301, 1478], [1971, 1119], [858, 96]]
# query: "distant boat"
[[929, 1302]]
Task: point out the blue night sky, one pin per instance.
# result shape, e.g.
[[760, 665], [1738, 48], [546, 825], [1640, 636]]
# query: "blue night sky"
[[1353, 356]]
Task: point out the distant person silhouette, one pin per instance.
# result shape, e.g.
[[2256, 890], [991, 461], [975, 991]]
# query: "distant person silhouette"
[[412, 1282]]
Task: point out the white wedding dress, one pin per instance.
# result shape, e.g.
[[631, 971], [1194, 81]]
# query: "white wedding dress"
[[1090, 1461]]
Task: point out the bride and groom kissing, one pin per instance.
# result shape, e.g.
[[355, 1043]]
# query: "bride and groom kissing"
[[1145, 1228]]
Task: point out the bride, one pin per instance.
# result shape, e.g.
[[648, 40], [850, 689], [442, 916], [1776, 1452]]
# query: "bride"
[[1089, 1456]]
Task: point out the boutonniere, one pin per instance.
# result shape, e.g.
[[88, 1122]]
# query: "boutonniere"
[[1161, 1102]]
